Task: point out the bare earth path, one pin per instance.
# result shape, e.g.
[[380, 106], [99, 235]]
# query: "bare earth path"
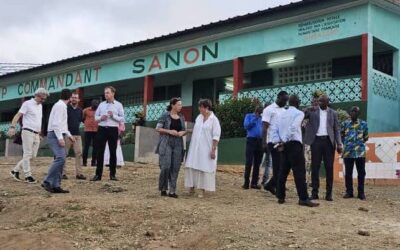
[[130, 214]]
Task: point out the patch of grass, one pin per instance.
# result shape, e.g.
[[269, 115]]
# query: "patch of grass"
[[11, 194], [74, 207], [70, 222], [100, 230], [41, 219]]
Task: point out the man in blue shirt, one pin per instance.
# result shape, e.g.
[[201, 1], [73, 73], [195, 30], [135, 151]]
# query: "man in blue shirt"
[[254, 150], [287, 138]]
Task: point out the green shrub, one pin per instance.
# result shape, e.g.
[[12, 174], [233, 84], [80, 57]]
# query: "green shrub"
[[231, 114]]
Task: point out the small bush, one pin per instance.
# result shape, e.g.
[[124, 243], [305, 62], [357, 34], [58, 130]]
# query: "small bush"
[[342, 115]]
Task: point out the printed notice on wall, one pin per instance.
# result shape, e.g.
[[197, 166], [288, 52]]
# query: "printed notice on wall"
[[320, 27]]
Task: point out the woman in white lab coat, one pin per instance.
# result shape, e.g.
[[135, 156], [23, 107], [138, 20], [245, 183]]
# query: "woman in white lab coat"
[[201, 162]]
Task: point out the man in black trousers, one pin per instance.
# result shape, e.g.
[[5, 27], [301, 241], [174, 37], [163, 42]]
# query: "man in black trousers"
[[323, 135], [109, 114], [287, 136], [254, 150], [269, 117], [354, 134]]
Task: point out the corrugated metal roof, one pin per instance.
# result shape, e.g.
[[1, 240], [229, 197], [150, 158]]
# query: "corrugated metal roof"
[[7, 68], [229, 21]]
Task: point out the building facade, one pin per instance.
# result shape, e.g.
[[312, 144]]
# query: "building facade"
[[347, 48]]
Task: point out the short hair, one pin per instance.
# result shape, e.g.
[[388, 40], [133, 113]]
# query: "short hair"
[[294, 100], [42, 91], [111, 88], [282, 93], [355, 107], [205, 103], [95, 102], [259, 108], [66, 94]]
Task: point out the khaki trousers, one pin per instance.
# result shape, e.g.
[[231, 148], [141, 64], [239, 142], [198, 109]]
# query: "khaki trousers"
[[77, 146], [30, 147]]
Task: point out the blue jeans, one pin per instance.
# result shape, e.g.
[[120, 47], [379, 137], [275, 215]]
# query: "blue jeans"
[[56, 168]]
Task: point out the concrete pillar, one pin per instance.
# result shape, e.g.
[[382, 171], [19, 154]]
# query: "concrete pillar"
[[148, 91], [237, 76]]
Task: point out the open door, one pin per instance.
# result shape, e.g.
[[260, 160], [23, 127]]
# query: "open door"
[[202, 89]]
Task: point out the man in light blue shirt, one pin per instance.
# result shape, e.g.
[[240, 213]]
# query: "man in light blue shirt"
[[286, 135], [109, 115]]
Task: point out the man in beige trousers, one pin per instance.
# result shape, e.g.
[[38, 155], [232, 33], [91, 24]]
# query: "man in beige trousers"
[[31, 112], [75, 117]]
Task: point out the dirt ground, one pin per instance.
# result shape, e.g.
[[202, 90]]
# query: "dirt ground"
[[130, 214]]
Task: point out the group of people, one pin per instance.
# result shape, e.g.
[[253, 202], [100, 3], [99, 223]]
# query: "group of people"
[[277, 132], [103, 122], [201, 160], [282, 131]]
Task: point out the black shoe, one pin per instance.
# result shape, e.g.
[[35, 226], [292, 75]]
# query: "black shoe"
[[173, 195], [59, 190], [80, 177], [348, 196], [245, 186], [281, 201], [164, 193], [255, 186], [84, 164], [96, 178], [15, 175], [47, 187], [328, 197], [270, 189], [361, 197], [65, 177], [113, 178], [314, 196], [308, 203], [30, 180]]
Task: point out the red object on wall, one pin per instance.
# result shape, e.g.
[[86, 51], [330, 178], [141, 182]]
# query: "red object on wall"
[[364, 67], [148, 91], [187, 112], [237, 76]]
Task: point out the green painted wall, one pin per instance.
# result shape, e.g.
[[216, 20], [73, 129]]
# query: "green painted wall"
[[128, 151], [232, 151], [383, 113]]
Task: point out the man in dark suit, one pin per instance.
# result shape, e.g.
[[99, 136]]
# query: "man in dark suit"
[[323, 135]]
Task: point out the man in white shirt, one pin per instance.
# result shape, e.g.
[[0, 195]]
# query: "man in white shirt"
[[31, 112], [56, 130], [109, 114], [288, 135], [269, 117]]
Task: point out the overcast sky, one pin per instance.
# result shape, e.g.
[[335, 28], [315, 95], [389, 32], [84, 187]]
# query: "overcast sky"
[[43, 31]]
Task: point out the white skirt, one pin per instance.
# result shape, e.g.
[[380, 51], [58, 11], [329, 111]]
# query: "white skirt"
[[199, 179], [120, 156]]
